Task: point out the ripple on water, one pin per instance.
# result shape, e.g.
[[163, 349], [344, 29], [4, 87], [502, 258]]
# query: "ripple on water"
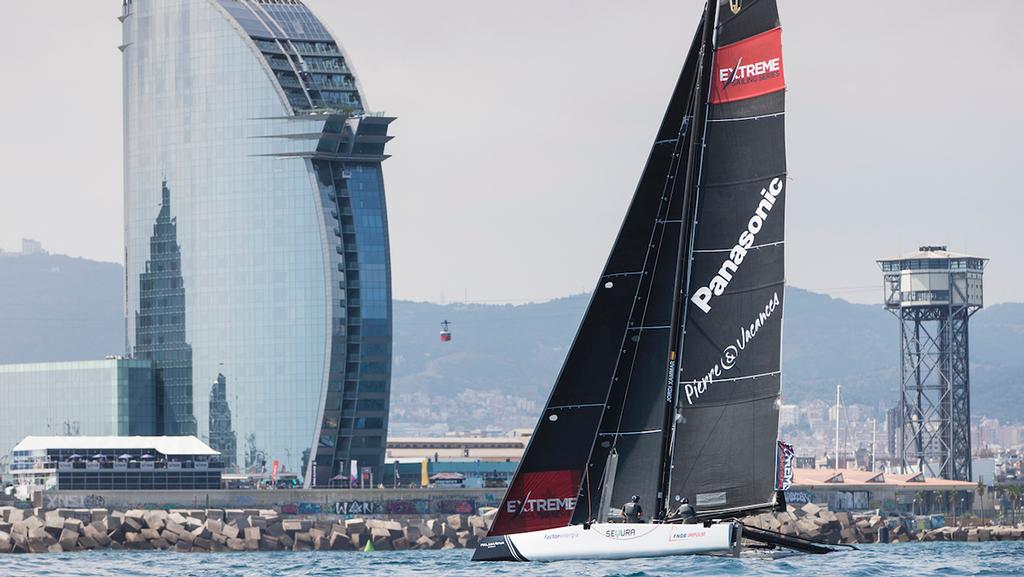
[[913, 559]]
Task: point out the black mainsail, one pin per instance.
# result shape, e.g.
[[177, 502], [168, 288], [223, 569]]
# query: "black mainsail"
[[698, 261], [723, 453]]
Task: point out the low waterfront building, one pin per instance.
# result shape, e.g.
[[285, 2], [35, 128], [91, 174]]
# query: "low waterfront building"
[[115, 463], [854, 490], [509, 448], [113, 396]]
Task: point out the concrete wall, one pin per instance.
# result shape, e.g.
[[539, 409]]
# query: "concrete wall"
[[391, 502]]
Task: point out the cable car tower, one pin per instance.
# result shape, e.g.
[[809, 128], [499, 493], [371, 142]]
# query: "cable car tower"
[[934, 292]]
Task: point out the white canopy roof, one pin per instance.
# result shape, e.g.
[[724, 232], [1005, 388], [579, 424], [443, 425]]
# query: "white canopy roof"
[[188, 445]]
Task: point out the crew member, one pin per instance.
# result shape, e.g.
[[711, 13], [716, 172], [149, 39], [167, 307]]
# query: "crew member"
[[685, 512], [632, 510]]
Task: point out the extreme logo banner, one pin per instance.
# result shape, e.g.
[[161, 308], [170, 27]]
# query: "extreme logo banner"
[[537, 501], [748, 68]]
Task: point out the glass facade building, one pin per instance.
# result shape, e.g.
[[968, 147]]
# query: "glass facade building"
[[106, 397], [257, 259]]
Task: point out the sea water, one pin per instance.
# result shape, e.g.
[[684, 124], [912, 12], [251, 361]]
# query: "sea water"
[[931, 559]]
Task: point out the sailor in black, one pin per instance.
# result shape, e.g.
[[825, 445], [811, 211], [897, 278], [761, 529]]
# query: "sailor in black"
[[685, 512], [632, 510]]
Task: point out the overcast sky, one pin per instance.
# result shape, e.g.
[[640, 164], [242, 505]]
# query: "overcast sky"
[[523, 127]]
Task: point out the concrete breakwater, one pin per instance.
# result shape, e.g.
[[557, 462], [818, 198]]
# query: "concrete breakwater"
[[811, 521], [214, 530]]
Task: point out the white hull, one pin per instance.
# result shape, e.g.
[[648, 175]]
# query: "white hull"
[[611, 541]]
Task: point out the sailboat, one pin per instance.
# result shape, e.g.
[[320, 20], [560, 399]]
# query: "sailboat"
[[670, 390]]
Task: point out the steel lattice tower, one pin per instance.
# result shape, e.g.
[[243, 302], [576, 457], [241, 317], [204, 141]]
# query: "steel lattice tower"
[[934, 293]]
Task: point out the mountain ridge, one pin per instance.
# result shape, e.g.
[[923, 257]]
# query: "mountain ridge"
[[60, 308]]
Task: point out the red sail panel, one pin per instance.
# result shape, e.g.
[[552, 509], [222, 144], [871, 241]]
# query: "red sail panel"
[[748, 68], [538, 501]]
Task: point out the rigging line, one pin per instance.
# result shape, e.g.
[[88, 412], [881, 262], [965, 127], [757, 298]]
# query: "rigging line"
[[667, 195], [666, 141], [742, 118], [648, 328], [732, 379], [588, 406], [765, 245], [668, 452]]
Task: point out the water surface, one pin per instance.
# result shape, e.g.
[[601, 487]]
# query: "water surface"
[[924, 559]]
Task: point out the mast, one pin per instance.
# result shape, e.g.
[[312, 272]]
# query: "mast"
[[838, 409], [696, 135]]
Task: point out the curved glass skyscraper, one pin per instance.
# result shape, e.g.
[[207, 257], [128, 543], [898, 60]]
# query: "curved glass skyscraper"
[[256, 240]]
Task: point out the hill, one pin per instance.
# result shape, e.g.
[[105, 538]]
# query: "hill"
[[59, 308], [504, 358]]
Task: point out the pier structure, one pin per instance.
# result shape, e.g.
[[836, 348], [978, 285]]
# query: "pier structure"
[[933, 293]]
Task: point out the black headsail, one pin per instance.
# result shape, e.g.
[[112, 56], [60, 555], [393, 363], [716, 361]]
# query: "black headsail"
[[724, 446], [619, 350]]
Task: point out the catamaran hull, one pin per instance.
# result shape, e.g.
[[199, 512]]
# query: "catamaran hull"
[[610, 541]]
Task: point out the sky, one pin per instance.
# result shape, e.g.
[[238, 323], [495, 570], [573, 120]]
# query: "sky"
[[523, 127]]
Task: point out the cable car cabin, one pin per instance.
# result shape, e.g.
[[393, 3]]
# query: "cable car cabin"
[[446, 335]]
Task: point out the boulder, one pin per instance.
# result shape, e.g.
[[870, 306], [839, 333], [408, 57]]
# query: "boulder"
[[269, 543], [233, 514], [216, 526], [382, 544], [466, 540], [412, 533], [170, 536], [94, 534], [183, 547], [68, 539], [155, 520], [73, 524], [54, 525], [230, 531], [202, 532], [400, 544], [252, 533], [236, 544], [457, 522], [131, 525], [358, 540], [355, 526], [341, 541], [86, 542], [424, 543]]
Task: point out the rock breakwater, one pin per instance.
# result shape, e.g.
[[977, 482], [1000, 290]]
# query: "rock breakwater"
[[215, 530]]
